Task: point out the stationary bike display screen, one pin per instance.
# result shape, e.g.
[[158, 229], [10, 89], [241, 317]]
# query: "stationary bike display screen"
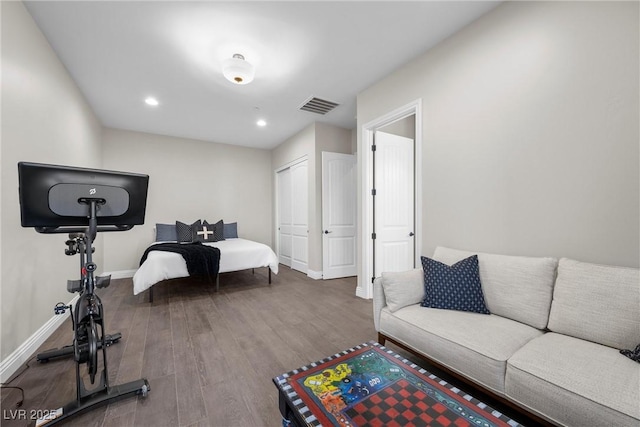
[[54, 198]]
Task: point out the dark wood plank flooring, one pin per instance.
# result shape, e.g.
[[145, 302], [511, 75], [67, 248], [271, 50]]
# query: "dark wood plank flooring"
[[209, 357]]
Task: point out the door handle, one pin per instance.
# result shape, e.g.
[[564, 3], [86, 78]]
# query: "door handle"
[[327, 231], [411, 234]]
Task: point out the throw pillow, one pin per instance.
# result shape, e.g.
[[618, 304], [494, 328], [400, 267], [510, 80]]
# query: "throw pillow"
[[218, 231], [632, 354], [183, 231], [202, 232], [403, 288], [166, 233], [455, 287], [230, 230]]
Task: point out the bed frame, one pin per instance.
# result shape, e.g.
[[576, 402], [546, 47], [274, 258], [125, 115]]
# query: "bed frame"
[[253, 271]]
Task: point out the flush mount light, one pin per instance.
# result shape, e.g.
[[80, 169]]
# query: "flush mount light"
[[151, 101], [261, 123], [237, 70]]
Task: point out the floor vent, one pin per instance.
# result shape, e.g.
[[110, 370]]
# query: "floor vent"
[[318, 106]]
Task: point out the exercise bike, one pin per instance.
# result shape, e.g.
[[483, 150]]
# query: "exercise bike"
[[68, 204], [77, 244]]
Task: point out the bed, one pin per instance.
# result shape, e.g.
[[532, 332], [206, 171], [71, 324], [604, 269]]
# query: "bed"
[[235, 254]]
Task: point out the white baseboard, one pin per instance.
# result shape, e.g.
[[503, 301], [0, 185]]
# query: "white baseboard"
[[315, 275], [121, 274], [14, 361]]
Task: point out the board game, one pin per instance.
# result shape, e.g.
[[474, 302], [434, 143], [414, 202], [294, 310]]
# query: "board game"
[[370, 385]]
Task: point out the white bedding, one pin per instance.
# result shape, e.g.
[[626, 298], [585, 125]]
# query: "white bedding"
[[235, 254]]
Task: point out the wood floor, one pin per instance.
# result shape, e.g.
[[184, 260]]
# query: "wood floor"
[[209, 357]]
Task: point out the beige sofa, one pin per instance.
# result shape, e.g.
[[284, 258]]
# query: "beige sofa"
[[550, 345]]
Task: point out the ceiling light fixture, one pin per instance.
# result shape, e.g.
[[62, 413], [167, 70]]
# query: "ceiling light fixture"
[[237, 70], [261, 123], [151, 101]]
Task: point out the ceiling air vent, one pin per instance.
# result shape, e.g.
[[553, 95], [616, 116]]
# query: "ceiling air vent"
[[318, 106]]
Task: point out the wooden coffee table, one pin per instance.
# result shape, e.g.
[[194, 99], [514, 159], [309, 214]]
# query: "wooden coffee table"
[[371, 385]]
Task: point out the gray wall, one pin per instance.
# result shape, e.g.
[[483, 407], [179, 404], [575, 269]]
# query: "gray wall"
[[189, 180], [530, 132], [45, 119]]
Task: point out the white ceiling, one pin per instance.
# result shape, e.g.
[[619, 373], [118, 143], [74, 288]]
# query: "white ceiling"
[[121, 52]]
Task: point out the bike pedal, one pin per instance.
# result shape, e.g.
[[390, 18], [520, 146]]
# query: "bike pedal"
[[103, 281]]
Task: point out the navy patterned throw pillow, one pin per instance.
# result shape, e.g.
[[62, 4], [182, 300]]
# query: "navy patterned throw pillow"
[[632, 354], [455, 287], [183, 231], [218, 231]]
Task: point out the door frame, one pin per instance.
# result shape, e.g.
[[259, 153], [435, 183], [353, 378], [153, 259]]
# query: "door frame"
[[365, 283], [276, 192]]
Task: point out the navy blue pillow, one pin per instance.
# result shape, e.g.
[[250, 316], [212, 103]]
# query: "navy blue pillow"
[[230, 230], [166, 233], [455, 287]]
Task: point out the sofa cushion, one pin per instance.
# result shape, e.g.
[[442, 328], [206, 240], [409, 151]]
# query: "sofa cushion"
[[597, 303], [475, 345], [455, 287], [403, 288], [577, 382], [515, 287]]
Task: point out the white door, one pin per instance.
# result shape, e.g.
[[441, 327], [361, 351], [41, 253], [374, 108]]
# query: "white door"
[[284, 217], [394, 243], [338, 215], [299, 216]]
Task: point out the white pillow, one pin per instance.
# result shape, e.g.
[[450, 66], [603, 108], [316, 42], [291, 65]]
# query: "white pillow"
[[403, 288]]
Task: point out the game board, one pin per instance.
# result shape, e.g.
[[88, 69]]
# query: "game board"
[[370, 385]]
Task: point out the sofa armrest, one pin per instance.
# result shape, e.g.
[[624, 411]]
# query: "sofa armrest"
[[379, 301]]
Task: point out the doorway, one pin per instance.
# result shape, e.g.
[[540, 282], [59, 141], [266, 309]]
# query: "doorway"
[[370, 217]]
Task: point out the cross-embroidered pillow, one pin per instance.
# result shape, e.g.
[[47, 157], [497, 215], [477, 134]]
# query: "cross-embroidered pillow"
[[203, 232], [455, 287]]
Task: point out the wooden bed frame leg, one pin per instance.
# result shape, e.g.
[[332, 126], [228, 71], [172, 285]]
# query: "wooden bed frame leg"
[[253, 271], [268, 268], [217, 282], [151, 294]]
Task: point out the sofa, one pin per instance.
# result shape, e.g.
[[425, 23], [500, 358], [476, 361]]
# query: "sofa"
[[550, 345]]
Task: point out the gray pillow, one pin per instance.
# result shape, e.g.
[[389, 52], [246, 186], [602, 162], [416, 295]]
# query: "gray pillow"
[[166, 233], [231, 230], [403, 288]]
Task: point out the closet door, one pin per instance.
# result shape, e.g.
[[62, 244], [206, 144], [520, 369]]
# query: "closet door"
[[284, 217], [299, 216]]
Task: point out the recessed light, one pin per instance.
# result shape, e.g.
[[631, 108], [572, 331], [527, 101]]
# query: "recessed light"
[[261, 123], [151, 101]]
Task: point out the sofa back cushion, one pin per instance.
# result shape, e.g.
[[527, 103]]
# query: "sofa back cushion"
[[597, 303], [515, 287]]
